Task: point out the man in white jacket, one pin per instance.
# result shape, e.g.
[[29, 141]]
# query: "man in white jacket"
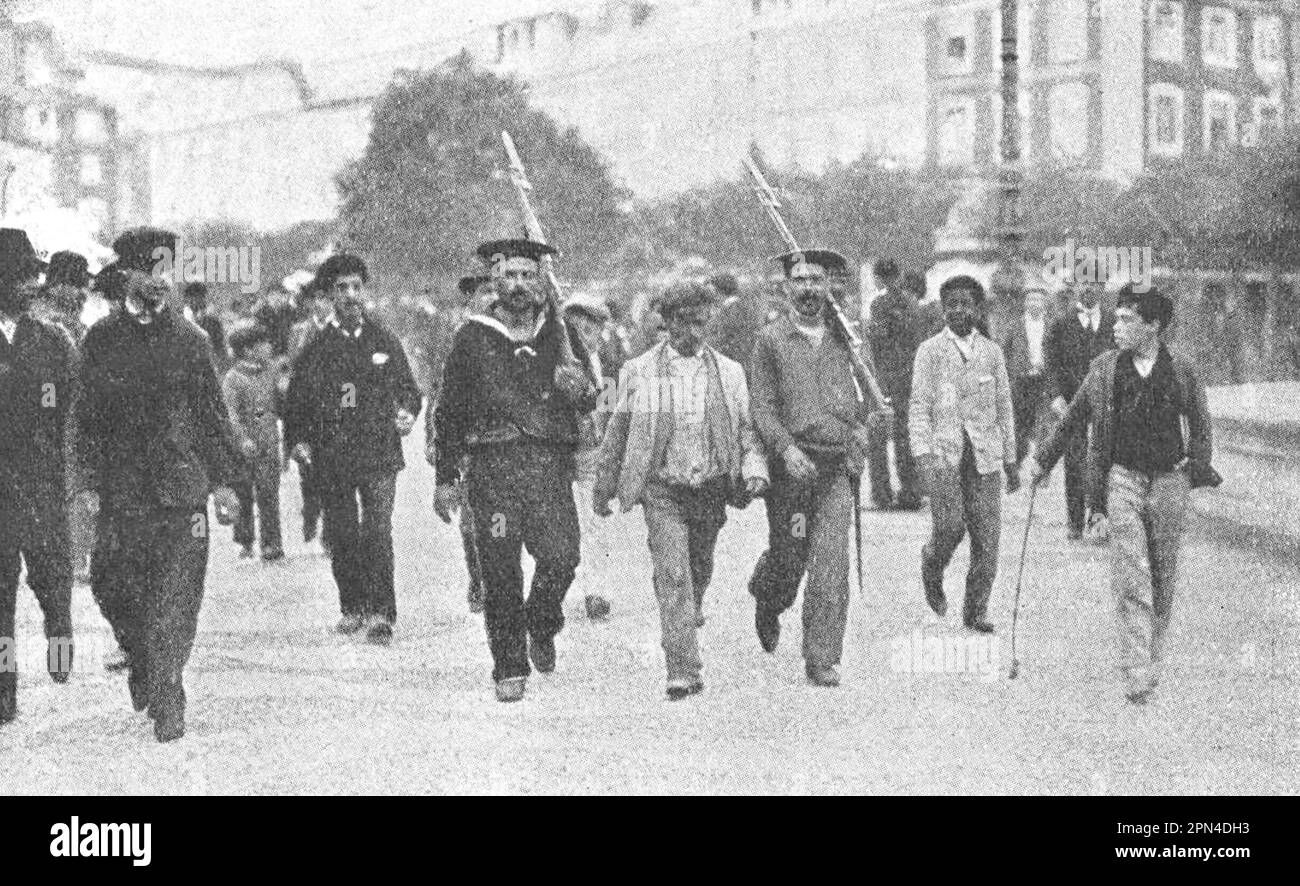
[[681, 444]]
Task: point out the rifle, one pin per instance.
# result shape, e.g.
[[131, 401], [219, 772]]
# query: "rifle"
[[533, 228], [772, 204]]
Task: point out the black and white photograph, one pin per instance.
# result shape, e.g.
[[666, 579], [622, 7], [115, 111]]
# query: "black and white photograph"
[[418, 398]]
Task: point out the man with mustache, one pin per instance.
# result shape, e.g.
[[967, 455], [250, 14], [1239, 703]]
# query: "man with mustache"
[[682, 445], [352, 398], [811, 412], [511, 403], [36, 388], [157, 443], [963, 437]]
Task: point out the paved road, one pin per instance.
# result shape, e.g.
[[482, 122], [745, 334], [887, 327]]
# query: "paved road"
[[279, 704]]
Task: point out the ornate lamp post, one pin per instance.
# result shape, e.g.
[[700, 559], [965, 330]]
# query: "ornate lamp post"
[[1008, 281]]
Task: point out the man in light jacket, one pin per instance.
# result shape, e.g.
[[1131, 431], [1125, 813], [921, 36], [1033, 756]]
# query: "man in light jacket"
[[682, 445], [963, 436]]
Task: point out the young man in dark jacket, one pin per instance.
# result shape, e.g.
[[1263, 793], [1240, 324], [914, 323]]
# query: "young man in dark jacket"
[[351, 400], [511, 402], [36, 388], [156, 440], [1150, 445]]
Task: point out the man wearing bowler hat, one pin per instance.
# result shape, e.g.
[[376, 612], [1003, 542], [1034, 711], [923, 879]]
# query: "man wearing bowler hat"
[[511, 401], [157, 443], [36, 386]]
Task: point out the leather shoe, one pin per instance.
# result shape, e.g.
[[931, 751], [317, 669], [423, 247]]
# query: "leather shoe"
[[169, 725], [1140, 697], [684, 687], [981, 626], [768, 626], [350, 624], [934, 595], [822, 675], [380, 633], [542, 653], [511, 689]]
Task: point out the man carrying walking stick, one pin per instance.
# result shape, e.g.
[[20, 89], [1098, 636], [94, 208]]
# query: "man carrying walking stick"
[[1150, 445]]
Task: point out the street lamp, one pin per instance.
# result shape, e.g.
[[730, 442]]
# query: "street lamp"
[[1008, 280]]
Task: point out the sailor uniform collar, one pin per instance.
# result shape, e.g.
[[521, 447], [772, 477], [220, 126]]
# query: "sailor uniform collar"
[[493, 323]]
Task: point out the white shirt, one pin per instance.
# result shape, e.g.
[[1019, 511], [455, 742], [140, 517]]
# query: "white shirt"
[[814, 335], [1089, 318], [1034, 335], [9, 328], [1144, 365], [965, 345]]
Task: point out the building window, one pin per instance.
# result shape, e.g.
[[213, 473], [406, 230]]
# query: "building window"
[[91, 172], [95, 211], [36, 66], [1067, 121], [1267, 121], [1167, 31], [757, 6], [956, 37], [956, 133], [1219, 36], [90, 126], [1165, 113], [1220, 121], [41, 124], [1067, 31], [1267, 54]]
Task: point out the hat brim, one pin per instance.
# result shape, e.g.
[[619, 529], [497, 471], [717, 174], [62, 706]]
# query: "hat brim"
[[494, 251]]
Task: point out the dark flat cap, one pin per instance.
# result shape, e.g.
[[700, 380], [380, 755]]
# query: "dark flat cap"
[[137, 249], [68, 268], [686, 294], [494, 251], [829, 260], [17, 257]]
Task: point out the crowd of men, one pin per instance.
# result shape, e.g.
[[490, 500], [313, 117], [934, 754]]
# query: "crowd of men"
[[114, 438]]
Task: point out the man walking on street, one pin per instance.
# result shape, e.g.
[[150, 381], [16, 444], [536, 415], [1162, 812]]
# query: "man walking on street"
[[1074, 340], [681, 444], [351, 400], [893, 336], [301, 335], [811, 413], [157, 443], [36, 389], [963, 437], [511, 402], [1023, 349], [1150, 445]]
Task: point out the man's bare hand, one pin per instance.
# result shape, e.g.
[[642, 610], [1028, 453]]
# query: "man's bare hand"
[[798, 465], [572, 383], [755, 487], [1059, 406], [301, 454], [601, 507], [227, 505], [446, 500], [405, 422], [1036, 473]]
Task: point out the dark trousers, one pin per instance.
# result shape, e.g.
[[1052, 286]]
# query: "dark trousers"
[[808, 531], [522, 497], [265, 494], [42, 541], [312, 502], [878, 437], [471, 558], [148, 577], [1027, 393], [359, 520], [1075, 459], [963, 500]]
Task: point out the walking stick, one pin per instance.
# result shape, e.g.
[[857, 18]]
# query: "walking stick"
[[1015, 607]]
